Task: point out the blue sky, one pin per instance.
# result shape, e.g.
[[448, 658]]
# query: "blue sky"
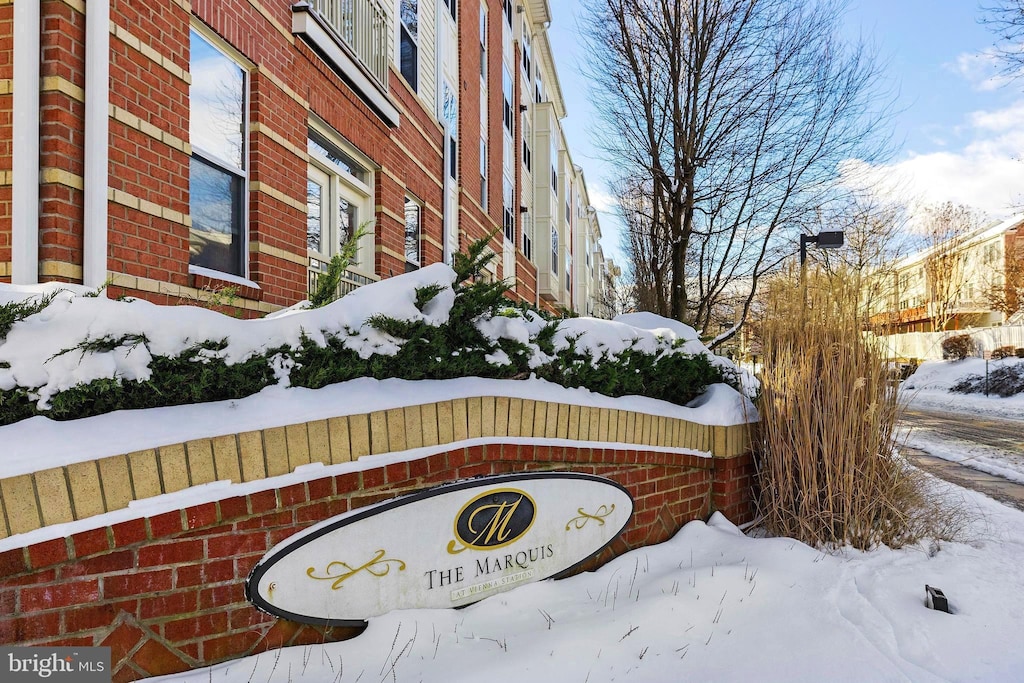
[[961, 129]]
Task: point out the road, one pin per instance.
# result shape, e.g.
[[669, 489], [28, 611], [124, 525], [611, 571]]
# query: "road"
[[995, 433], [1007, 435]]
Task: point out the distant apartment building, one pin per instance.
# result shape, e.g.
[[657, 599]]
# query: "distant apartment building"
[[974, 280], [174, 148]]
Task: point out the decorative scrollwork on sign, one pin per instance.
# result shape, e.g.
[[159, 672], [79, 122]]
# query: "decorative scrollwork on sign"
[[378, 566], [584, 517]]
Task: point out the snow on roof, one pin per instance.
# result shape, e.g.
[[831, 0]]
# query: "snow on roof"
[[982, 234]]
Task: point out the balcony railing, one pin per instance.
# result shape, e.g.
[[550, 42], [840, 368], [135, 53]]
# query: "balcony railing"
[[363, 26], [349, 281]]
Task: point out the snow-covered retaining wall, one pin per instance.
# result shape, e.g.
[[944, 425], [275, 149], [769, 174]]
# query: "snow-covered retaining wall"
[[163, 586]]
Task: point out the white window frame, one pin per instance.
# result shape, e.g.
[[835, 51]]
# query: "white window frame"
[[554, 249], [417, 263], [211, 159], [483, 44], [527, 235], [415, 39], [356, 191], [508, 217], [527, 49], [507, 100], [483, 173]]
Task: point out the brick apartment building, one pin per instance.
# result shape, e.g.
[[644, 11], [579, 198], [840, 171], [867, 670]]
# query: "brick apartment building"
[[176, 148]]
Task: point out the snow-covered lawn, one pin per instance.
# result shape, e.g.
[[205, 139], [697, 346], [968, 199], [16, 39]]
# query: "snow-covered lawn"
[[928, 388], [709, 605]]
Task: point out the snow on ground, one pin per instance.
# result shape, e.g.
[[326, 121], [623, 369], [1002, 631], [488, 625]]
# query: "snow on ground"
[[928, 388], [710, 604]]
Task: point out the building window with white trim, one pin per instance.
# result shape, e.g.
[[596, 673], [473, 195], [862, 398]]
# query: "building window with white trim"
[[508, 219], [527, 235], [527, 152], [554, 250], [339, 199], [413, 229], [483, 43], [506, 6], [506, 99], [527, 50], [483, 173], [453, 8], [409, 42], [218, 96]]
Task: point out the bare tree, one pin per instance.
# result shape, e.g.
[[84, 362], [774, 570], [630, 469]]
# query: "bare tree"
[[947, 228], [874, 228], [615, 296], [1004, 291], [647, 243], [1006, 19], [729, 119]]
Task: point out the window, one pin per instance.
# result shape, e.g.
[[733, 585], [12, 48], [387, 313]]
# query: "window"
[[506, 8], [452, 157], [539, 89], [527, 50], [217, 169], [527, 152], [483, 173], [483, 43], [568, 271], [554, 165], [506, 98], [554, 250], [413, 214], [453, 8], [508, 218], [527, 235], [409, 59], [339, 198]]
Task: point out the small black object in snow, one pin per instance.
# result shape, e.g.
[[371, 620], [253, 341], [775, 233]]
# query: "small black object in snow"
[[935, 599]]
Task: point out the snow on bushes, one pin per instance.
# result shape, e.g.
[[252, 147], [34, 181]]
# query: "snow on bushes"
[[67, 353]]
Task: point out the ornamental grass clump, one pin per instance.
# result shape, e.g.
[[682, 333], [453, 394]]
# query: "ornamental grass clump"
[[830, 472]]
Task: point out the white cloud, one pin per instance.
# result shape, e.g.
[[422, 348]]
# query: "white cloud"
[[603, 201], [987, 173], [980, 69]]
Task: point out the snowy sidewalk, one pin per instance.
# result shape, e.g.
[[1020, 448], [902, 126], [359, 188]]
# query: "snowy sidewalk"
[[999, 488]]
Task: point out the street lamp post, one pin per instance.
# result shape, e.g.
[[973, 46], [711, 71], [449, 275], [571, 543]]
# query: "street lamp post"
[[832, 239], [825, 240]]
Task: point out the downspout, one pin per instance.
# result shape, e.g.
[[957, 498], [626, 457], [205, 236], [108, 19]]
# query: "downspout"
[[25, 146], [97, 99]]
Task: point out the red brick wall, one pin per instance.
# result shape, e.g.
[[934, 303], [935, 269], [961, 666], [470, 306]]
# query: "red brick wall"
[[148, 169], [61, 133], [166, 593], [151, 170], [6, 130]]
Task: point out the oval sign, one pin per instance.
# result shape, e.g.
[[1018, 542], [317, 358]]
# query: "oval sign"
[[447, 546]]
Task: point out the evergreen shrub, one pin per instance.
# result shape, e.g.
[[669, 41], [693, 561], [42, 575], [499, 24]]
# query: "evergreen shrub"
[[456, 348], [957, 347]]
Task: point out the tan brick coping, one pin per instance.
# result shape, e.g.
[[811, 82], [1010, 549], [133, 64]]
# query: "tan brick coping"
[[72, 492]]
